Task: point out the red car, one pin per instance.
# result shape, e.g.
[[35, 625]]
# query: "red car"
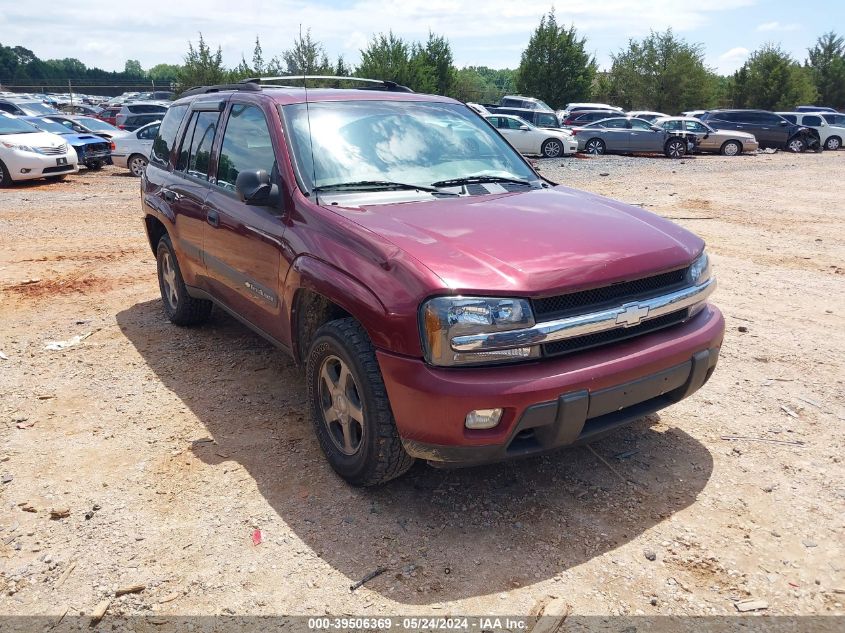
[[447, 302], [109, 115]]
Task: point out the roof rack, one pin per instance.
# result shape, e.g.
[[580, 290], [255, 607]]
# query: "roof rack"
[[377, 84], [248, 85]]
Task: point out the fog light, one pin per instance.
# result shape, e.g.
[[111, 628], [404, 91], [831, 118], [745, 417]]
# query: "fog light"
[[25, 171], [483, 418]]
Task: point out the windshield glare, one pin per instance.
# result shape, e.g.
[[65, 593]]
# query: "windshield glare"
[[36, 108], [399, 141], [11, 125], [95, 124], [47, 125]]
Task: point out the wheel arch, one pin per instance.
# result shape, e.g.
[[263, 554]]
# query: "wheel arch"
[[318, 293], [155, 231]]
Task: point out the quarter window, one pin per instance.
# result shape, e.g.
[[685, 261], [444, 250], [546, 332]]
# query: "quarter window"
[[812, 120], [196, 146], [167, 134], [246, 145]]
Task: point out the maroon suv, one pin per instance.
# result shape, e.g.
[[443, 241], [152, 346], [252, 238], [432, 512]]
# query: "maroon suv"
[[447, 302]]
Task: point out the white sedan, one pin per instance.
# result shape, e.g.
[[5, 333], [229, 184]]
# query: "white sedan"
[[527, 139], [27, 153], [133, 150]]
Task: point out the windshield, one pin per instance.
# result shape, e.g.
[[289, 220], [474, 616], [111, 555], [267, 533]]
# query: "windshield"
[[96, 124], [47, 125], [417, 143], [34, 108], [11, 125]]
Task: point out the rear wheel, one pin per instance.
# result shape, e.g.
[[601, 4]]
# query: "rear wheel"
[[552, 148], [349, 406], [796, 145], [595, 146], [180, 307], [137, 164], [731, 148], [833, 143], [5, 177], [675, 148]]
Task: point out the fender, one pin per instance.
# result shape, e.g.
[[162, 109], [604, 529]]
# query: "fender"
[[310, 273]]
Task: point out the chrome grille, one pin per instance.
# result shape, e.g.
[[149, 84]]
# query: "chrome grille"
[[53, 151]]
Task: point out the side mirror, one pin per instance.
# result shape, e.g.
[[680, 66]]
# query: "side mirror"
[[707, 135], [254, 188], [524, 128], [784, 123]]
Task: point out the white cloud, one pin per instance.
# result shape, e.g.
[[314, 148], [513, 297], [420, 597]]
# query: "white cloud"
[[777, 26], [160, 33], [732, 59]]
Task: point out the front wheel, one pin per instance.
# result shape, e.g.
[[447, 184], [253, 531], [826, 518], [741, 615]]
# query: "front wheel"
[[833, 143], [796, 145], [5, 176], [349, 406], [95, 166], [137, 164], [595, 146], [675, 148], [552, 148], [731, 148]]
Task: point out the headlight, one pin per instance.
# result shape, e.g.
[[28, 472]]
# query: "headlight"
[[443, 318], [22, 148], [699, 270]]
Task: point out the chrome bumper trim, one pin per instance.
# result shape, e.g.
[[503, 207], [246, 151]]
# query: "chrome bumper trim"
[[626, 315]]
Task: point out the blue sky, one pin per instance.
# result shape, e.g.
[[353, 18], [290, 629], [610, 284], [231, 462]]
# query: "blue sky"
[[482, 32]]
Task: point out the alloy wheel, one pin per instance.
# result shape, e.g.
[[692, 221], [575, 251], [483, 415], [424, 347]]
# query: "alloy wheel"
[[796, 145], [731, 149], [551, 149], [675, 149], [137, 166], [168, 279], [341, 407], [594, 147]]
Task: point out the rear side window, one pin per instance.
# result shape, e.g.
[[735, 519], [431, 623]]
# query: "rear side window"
[[246, 146], [196, 146], [148, 132], [547, 120], [813, 120], [145, 108], [790, 117], [167, 134]]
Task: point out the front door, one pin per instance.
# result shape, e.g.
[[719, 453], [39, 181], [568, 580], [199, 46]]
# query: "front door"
[[643, 138], [243, 244]]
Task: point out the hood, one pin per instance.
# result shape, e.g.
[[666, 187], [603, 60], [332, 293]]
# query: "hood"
[[84, 139], [36, 139], [543, 241]]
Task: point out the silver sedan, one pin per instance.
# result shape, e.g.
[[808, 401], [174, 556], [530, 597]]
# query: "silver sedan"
[[628, 135]]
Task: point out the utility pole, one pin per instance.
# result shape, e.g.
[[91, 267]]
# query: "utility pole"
[[70, 90]]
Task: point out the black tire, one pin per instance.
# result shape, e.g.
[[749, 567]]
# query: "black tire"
[[180, 307], [5, 176], [552, 148], [137, 164], [595, 146], [59, 178], [374, 453], [95, 166], [833, 143], [675, 148], [796, 145], [731, 148]]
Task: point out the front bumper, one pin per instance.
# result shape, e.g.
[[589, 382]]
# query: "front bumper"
[[550, 403], [28, 165]]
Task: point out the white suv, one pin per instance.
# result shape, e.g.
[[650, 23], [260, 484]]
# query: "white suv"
[[831, 127], [27, 153]]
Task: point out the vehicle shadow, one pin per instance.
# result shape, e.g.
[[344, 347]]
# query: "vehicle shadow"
[[440, 534]]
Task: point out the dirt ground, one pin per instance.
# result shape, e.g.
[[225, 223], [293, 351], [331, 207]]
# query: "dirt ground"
[[169, 447]]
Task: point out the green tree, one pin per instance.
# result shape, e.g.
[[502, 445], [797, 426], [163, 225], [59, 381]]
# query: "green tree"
[[258, 65], [133, 68], [662, 72], [555, 66], [386, 57], [826, 63], [164, 72], [772, 80], [430, 66], [202, 67], [307, 57]]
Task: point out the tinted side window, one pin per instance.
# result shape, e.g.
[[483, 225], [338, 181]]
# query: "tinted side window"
[[148, 133], [672, 125], [812, 120], [616, 124], [790, 117], [246, 145], [167, 134], [196, 146], [547, 120]]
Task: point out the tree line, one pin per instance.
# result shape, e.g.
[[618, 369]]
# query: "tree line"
[[661, 71]]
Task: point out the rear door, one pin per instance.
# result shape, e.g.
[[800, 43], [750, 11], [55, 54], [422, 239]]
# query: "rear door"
[[145, 137], [244, 243], [616, 135], [770, 128]]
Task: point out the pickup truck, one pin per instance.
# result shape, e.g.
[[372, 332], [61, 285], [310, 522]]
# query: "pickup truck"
[[447, 302]]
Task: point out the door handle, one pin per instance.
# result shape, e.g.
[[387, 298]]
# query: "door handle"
[[170, 196], [213, 218]]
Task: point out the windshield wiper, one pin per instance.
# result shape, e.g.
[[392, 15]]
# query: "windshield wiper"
[[375, 185], [470, 180]]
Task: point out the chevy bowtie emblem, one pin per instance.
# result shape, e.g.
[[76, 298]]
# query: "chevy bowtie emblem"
[[632, 314]]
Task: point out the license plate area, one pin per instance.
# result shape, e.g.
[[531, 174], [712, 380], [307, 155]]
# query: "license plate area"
[[61, 161]]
